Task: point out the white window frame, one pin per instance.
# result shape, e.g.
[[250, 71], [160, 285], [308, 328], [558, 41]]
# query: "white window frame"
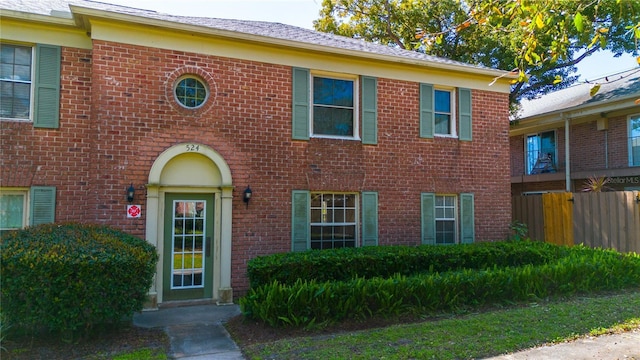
[[356, 103], [456, 222], [527, 171], [454, 115], [31, 87], [356, 210], [199, 80], [631, 118], [25, 204]]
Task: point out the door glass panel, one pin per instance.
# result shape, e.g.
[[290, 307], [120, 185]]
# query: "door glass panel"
[[188, 244]]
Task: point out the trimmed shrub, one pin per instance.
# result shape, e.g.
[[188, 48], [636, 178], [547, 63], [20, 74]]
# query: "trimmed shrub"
[[69, 278], [304, 303], [385, 261]]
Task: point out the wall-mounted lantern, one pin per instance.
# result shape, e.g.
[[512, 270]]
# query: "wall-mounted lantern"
[[130, 192], [246, 195]]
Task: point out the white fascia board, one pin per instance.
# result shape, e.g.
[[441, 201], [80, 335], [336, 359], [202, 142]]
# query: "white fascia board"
[[83, 14]]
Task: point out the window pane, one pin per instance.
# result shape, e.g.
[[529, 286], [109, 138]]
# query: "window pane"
[[316, 215], [443, 101], [332, 221], [332, 121], [22, 55], [445, 232], [6, 71], [11, 211], [442, 124], [22, 72], [634, 130], [541, 152], [191, 92], [334, 92]]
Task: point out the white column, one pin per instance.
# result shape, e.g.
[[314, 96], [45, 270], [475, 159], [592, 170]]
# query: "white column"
[[226, 292], [151, 235]]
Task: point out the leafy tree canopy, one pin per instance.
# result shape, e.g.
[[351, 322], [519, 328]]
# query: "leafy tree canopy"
[[541, 40]]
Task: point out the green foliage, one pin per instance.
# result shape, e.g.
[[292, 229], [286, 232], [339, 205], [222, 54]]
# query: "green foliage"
[[596, 184], [308, 302], [143, 354], [519, 231], [385, 261], [69, 278], [539, 40]]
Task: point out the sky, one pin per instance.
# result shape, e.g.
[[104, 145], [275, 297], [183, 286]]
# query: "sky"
[[302, 13]]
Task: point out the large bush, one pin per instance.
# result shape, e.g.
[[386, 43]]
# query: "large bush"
[[385, 261], [69, 278], [305, 302]]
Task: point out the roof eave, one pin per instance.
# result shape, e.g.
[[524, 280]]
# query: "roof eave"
[[37, 18], [554, 118], [84, 14]]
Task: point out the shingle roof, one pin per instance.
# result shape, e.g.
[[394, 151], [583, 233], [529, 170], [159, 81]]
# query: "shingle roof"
[[256, 28], [613, 87]]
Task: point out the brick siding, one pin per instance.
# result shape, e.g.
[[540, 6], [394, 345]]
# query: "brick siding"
[[118, 115]]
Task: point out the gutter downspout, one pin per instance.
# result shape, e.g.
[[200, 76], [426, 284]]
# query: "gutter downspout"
[[567, 161]]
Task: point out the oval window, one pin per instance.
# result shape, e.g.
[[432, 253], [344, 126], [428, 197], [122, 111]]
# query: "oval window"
[[191, 92]]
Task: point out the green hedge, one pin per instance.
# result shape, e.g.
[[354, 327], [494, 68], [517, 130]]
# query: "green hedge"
[[69, 278], [385, 261], [307, 302]]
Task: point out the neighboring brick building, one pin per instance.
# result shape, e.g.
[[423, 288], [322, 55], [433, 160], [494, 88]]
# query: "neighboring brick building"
[[600, 135], [342, 142]]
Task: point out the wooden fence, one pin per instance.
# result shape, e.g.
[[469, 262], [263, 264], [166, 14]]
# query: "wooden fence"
[[608, 219]]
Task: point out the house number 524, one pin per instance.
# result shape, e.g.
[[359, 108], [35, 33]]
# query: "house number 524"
[[193, 147]]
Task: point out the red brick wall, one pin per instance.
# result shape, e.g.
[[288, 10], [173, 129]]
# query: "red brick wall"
[[56, 157], [248, 121], [587, 147], [618, 139]]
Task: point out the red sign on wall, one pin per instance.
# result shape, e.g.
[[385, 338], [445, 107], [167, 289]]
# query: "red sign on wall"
[[133, 211]]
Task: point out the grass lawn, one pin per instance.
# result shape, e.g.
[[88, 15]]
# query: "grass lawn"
[[487, 333]]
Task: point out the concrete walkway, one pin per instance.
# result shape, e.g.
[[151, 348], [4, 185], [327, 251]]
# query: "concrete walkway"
[[605, 347], [195, 332]]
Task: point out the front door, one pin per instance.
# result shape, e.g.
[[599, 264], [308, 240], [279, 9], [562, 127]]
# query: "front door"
[[188, 250]]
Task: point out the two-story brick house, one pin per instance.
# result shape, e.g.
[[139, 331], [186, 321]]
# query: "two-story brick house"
[[337, 141], [562, 139]]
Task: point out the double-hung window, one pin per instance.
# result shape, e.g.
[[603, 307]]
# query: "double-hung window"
[[634, 140], [333, 220], [30, 83], [13, 209], [447, 218], [15, 79], [20, 207], [326, 220], [444, 112], [328, 105], [334, 108], [541, 153]]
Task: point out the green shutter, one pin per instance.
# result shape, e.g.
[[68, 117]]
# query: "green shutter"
[[428, 211], [43, 205], [47, 87], [427, 111], [464, 109], [369, 218], [300, 110], [300, 220], [467, 223], [369, 110]]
